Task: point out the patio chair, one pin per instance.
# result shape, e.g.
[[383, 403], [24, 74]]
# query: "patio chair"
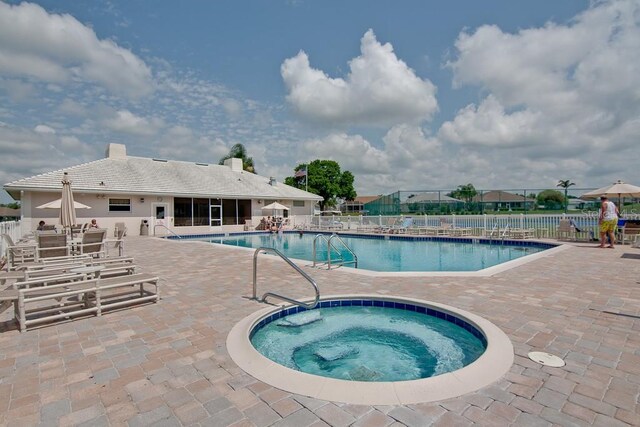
[[630, 231], [444, 229], [385, 228], [18, 253], [52, 245], [92, 243], [403, 227], [566, 229], [248, 225], [120, 226]]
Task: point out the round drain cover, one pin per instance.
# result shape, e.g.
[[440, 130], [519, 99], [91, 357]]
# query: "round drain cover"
[[546, 359]]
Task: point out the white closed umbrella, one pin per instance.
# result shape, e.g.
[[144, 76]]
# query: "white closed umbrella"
[[67, 210]]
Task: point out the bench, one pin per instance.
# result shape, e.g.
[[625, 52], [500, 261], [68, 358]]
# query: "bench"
[[35, 305], [522, 233]]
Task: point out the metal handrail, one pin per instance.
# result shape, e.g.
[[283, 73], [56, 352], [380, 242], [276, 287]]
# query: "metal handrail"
[[315, 239], [167, 228], [329, 246], [495, 228], [295, 267], [506, 230]]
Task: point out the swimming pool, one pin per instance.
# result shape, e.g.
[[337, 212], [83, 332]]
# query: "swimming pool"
[[393, 253]]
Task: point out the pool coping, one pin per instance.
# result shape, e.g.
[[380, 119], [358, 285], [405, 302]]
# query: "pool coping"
[[486, 272], [492, 365]]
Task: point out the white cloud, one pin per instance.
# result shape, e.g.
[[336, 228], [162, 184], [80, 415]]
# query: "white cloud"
[[571, 84], [408, 144], [489, 125], [27, 152], [125, 121], [58, 48], [44, 129], [352, 152], [379, 90]]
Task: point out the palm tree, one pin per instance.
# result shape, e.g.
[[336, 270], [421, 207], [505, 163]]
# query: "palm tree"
[[565, 183], [239, 152]]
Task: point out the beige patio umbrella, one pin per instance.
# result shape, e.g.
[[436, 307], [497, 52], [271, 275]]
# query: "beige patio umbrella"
[[618, 188], [57, 204], [66, 204], [275, 206]]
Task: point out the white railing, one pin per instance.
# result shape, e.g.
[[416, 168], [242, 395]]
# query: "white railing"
[[545, 224], [13, 229]]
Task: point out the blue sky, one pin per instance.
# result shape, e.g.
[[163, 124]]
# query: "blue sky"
[[408, 95]]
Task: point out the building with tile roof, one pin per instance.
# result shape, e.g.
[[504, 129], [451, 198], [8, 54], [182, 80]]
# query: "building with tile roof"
[[184, 197]]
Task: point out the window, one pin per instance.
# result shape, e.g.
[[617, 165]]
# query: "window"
[[200, 211], [298, 203], [182, 210], [244, 211], [229, 212], [119, 205]]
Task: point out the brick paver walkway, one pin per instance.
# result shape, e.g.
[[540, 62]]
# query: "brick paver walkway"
[[166, 364]]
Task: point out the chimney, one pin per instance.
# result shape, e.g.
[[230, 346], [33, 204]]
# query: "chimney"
[[234, 164], [272, 181], [116, 151]]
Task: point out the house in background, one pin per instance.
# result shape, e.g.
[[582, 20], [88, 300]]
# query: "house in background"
[[501, 200], [428, 202], [158, 194], [356, 206]]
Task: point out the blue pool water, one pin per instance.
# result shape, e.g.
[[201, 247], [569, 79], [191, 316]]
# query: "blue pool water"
[[393, 255], [368, 343]]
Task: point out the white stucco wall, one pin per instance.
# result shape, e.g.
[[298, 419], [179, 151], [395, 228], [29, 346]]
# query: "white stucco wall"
[[143, 207]]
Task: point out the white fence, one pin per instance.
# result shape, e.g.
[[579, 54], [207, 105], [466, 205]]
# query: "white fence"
[[545, 225]]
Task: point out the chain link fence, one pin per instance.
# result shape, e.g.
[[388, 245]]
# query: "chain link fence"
[[477, 202]]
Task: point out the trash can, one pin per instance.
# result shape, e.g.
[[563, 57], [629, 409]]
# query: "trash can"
[[144, 227]]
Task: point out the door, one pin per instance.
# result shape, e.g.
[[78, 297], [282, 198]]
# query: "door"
[[160, 217], [216, 215]]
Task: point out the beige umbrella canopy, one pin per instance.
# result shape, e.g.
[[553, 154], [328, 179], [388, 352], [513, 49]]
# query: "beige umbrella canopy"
[[618, 189], [274, 207], [56, 204]]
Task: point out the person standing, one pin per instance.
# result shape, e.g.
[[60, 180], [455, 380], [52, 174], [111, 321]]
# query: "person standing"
[[608, 222]]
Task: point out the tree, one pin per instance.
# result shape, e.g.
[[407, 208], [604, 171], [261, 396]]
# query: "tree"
[[565, 183], [550, 198], [324, 179], [12, 205], [464, 192], [239, 152]]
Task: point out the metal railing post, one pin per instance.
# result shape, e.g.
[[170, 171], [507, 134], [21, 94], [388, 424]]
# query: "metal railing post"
[[295, 267]]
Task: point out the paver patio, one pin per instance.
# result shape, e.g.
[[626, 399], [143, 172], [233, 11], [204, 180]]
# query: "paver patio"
[[166, 364]]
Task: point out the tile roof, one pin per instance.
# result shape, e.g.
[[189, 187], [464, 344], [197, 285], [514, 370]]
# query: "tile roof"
[[501, 196], [139, 175]]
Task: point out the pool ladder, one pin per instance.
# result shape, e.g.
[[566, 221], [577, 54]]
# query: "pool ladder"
[[274, 295], [496, 230], [337, 262]]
